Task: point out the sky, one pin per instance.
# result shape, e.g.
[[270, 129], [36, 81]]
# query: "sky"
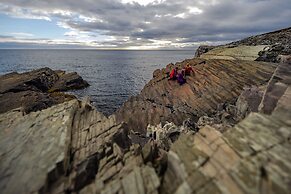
[[136, 24]]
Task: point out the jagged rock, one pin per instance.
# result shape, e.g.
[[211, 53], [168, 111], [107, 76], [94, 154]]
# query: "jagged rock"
[[205, 120], [215, 82], [68, 138], [203, 49], [270, 54], [216, 163], [166, 135], [30, 90], [212, 162], [34, 148]]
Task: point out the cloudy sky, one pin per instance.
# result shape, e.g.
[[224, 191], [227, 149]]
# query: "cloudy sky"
[[136, 24]]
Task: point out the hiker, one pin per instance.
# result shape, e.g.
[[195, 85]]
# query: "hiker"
[[181, 77], [173, 74], [188, 69]]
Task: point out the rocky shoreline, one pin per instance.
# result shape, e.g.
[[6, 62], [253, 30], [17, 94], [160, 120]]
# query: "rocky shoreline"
[[38, 89], [227, 130]]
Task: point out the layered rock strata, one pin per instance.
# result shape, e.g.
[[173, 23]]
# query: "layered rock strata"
[[215, 82], [251, 157], [71, 148]]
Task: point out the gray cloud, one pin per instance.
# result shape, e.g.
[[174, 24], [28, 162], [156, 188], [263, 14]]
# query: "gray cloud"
[[171, 23]]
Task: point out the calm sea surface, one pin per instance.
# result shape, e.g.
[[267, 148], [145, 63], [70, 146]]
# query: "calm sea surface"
[[114, 76]]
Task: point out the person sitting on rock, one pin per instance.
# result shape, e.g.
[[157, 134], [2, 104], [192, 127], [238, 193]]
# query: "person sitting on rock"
[[173, 74], [181, 77], [188, 69]]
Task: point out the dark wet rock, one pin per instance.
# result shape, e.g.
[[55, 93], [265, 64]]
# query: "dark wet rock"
[[69, 81], [37, 80], [203, 49], [36, 90], [215, 82]]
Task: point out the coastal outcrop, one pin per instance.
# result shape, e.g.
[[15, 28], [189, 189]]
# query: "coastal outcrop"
[[72, 148], [215, 82], [227, 130], [37, 89], [264, 47]]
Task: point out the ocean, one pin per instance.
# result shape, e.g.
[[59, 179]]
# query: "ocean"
[[113, 75]]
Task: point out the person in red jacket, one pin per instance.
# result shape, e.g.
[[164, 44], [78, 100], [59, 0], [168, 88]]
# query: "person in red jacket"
[[188, 69], [173, 74]]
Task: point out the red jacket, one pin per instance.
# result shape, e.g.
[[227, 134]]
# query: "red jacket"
[[173, 73]]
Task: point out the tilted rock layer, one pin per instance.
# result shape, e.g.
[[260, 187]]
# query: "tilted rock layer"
[[71, 148], [214, 82], [252, 157]]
